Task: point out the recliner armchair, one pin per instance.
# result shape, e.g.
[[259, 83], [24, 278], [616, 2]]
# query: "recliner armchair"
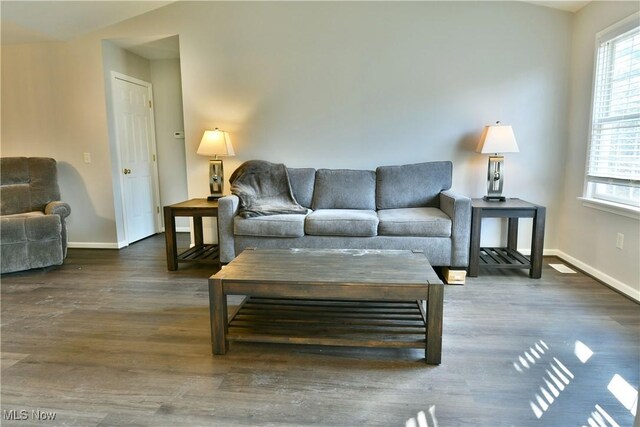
[[32, 218]]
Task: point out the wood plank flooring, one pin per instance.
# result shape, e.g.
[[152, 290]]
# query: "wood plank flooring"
[[112, 338]]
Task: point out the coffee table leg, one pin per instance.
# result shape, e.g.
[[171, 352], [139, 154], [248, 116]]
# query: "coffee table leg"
[[218, 317], [434, 323]]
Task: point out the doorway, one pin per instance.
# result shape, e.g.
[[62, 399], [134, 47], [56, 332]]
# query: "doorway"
[[154, 59], [136, 148]]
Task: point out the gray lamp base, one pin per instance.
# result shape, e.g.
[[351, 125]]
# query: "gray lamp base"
[[495, 179], [494, 199], [216, 179]]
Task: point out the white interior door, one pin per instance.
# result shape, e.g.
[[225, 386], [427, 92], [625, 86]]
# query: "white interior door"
[[136, 147]]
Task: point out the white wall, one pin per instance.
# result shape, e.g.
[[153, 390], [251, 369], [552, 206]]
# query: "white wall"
[[167, 95], [588, 236], [30, 99], [53, 105], [352, 84]]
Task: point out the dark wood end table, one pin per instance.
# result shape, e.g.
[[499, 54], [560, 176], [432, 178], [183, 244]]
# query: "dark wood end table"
[[200, 252], [508, 257]]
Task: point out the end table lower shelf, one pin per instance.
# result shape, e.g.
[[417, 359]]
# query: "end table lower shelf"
[[503, 258], [199, 253]]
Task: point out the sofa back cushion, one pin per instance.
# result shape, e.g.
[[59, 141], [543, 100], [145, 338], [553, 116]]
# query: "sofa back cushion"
[[27, 184], [302, 180], [344, 189], [412, 186]]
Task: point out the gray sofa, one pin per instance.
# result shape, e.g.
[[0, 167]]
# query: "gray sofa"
[[32, 217], [394, 207]]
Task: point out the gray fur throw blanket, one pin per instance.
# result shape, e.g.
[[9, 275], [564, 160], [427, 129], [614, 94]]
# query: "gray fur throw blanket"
[[264, 189]]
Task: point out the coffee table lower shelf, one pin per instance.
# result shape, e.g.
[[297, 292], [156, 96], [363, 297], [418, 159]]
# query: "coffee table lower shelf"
[[330, 322]]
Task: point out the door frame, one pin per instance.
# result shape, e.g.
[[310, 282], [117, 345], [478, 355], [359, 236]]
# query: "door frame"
[[155, 181]]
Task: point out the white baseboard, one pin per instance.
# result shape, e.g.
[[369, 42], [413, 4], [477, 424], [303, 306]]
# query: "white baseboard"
[[545, 252], [95, 245], [179, 230], [605, 278]]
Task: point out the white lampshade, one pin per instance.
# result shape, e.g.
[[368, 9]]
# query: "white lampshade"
[[497, 139], [215, 143]]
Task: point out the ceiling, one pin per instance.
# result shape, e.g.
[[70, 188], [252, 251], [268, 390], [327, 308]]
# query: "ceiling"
[[569, 6], [46, 21]]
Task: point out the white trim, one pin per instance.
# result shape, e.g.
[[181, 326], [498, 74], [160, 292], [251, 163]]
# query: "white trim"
[[614, 208], [130, 79], [610, 281], [605, 278], [619, 27], [96, 245], [180, 229], [545, 252]]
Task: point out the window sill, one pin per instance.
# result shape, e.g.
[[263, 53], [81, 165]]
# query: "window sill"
[[615, 208]]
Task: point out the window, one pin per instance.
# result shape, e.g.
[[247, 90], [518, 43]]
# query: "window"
[[613, 164]]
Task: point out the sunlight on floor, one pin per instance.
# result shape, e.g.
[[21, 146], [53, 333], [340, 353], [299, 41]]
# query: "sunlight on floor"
[[558, 376], [600, 418], [624, 392], [420, 420], [530, 356], [583, 352]]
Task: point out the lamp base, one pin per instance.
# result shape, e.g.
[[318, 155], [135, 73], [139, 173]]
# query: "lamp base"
[[216, 179], [494, 199], [495, 179], [212, 198]]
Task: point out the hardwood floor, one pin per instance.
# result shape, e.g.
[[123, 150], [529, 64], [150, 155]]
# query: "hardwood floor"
[[113, 338]]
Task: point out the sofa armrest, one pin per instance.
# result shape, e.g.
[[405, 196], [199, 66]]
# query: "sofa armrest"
[[58, 208], [458, 208], [227, 210]]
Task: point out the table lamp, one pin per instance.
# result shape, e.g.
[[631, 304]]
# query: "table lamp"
[[215, 143], [496, 139]]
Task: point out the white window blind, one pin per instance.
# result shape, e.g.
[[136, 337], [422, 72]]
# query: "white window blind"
[[613, 165]]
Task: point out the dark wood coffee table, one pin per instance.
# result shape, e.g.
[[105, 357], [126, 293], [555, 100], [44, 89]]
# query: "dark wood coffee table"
[[329, 297]]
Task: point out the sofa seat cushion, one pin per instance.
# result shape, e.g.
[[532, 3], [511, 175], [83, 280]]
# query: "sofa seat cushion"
[[31, 214], [342, 222], [427, 222], [284, 225]]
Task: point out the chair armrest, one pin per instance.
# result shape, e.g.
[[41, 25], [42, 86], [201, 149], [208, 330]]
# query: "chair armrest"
[[227, 210], [58, 208], [63, 210], [458, 208]]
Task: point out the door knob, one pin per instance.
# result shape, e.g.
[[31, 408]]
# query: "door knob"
[[126, 171]]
